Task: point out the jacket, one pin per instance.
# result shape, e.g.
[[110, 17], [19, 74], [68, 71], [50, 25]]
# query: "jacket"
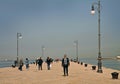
[[67, 64]]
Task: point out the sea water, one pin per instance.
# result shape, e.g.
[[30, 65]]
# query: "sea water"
[[113, 64], [108, 63], [6, 63], [9, 63]]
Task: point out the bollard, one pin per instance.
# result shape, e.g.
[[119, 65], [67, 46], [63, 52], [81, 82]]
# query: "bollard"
[[81, 63], [85, 65], [93, 67], [114, 75]]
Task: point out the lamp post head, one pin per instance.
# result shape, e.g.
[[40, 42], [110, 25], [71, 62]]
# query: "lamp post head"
[[92, 10], [76, 42], [20, 36], [43, 48]]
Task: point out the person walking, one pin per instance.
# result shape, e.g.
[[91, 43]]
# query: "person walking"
[[48, 61], [20, 65], [40, 62], [36, 61], [27, 63], [65, 64]]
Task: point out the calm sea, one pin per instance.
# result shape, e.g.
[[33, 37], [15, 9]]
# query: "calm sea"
[[108, 63], [9, 63], [6, 63], [113, 64]]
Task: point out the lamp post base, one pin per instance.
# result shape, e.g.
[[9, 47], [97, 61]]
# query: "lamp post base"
[[17, 62], [99, 71], [77, 59], [99, 66]]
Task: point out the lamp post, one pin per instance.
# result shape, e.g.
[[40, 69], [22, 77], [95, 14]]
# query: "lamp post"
[[43, 49], [99, 35], [19, 36], [76, 44]]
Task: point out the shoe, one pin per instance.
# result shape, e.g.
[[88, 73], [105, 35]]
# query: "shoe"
[[64, 75]]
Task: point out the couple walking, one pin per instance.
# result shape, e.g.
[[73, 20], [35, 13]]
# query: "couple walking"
[[40, 62]]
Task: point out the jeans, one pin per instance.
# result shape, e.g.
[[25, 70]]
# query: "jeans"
[[65, 69], [27, 66], [48, 66], [40, 67]]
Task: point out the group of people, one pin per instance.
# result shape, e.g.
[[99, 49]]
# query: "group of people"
[[65, 64], [21, 64], [39, 62]]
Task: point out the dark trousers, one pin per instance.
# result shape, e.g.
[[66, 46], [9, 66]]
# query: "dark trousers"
[[27, 66], [20, 67], [48, 66], [65, 69], [39, 66]]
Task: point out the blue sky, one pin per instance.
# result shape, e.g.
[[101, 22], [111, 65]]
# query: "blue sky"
[[56, 24]]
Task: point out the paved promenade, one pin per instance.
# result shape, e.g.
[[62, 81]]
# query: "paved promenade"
[[78, 74]]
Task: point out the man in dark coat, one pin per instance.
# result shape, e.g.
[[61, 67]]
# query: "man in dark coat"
[[40, 61], [65, 64], [48, 61]]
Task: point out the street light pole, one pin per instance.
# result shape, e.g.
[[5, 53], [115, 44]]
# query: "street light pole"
[[76, 44], [99, 36], [43, 48], [19, 35]]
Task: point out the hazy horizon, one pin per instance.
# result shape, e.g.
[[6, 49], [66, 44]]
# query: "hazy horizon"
[[56, 24]]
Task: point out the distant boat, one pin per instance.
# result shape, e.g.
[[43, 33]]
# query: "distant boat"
[[118, 57]]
